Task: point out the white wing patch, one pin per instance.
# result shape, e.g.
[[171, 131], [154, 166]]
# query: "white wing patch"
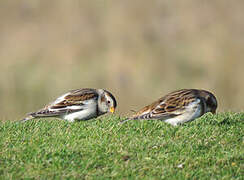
[[60, 99], [87, 111]]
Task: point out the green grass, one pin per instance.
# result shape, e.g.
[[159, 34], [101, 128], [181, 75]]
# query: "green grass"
[[208, 148]]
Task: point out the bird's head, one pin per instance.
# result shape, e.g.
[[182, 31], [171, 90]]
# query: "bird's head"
[[210, 100], [106, 101]]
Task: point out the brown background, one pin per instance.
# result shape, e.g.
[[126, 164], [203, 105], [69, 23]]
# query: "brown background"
[[139, 50]]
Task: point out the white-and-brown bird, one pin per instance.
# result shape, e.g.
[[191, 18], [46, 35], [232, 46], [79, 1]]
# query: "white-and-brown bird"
[[179, 107], [79, 104]]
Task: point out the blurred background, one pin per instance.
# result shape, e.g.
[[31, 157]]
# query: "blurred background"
[[138, 50]]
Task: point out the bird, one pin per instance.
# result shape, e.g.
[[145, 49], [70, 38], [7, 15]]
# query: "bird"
[[178, 107], [78, 104]]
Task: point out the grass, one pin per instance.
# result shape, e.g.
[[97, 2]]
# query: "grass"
[[209, 148]]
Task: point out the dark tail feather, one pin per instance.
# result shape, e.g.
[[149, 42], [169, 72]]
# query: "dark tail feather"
[[141, 117], [29, 117], [128, 119]]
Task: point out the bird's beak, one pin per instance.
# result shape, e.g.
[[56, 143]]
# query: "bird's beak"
[[112, 109]]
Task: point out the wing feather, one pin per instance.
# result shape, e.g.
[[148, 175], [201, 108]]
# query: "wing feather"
[[77, 97]]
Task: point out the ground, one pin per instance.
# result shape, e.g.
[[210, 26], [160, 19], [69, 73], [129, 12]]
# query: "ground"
[[209, 148]]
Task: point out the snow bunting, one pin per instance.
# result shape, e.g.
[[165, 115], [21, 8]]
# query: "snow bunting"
[[179, 107], [79, 104]]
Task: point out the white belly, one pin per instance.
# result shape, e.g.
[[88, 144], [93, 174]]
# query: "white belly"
[[81, 115], [193, 111]]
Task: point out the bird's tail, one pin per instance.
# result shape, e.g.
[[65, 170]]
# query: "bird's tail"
[[29, 117], [128, 119], [134, 117]]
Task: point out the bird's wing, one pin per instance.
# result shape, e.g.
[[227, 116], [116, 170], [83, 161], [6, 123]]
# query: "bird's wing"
[[72, 101], [174, 104]]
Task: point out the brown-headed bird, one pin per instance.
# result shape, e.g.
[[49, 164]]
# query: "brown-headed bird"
[[178, 107]]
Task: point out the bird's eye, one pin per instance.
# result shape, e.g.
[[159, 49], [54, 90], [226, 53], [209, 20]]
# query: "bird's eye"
[[108, 102]]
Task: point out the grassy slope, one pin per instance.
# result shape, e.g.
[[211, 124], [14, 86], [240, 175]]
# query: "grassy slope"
[[212, 146]]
